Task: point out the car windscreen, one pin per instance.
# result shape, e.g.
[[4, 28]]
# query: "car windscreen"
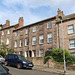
[[2, 70], [21, 57]]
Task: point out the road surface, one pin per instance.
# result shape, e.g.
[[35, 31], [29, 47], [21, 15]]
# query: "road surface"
[[15, 71]]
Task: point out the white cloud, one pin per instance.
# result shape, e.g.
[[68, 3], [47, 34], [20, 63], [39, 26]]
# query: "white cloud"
[[38, 3]]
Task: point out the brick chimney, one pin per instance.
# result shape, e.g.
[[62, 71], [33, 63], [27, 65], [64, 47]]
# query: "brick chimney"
[[21, 21], [7, 23], [60, 13]]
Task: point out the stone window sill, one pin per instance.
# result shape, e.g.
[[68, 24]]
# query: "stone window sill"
[[71, 48], [71, 33]]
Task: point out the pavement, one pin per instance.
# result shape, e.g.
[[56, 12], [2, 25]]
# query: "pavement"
[[53, 70]]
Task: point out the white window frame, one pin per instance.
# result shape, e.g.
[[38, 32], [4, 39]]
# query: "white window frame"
[[8, 31], [34, 29], [70, 29], [7, 43], [49, 38], [26, 53], [34, 40], [34, 53], [21, 42], [26, 41], [73, 54], [16, 33], [2, 32], [15, 43], [49, 24], [27, 31], [72, 43], [41, 39], [41, 53]]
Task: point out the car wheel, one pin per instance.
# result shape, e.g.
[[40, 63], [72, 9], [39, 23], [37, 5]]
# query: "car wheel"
[[19, 66], [6, 63]]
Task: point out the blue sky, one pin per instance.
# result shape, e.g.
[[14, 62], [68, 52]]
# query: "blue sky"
[[33, 10]]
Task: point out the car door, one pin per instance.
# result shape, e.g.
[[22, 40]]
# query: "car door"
[[11, 58], [15, 60]]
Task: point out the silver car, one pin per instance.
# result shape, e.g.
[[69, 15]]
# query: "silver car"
[[1, 59]]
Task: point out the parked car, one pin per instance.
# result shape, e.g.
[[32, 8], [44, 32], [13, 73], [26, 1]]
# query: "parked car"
[[4, 70], [18, 60], [1, 59]]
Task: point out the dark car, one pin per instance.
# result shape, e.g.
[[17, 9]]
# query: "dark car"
[[4, 70], [18, 60]]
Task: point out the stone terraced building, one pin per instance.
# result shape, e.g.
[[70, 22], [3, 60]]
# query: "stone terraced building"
[[35, 39]]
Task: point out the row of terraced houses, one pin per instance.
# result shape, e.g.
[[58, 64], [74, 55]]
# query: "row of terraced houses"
[[35, 39]]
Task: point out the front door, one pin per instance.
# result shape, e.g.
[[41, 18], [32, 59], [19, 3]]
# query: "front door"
[[30, 53]]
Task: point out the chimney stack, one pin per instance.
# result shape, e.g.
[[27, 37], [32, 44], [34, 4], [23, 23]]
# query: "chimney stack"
[[7, 23], [60, 13], [21, 21]]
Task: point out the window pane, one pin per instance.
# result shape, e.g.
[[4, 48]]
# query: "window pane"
[[2, 32], [26, 42], [50, 35], [41, 53], [34, 38], [7, 41], [34, 28], [34, 41], [49, 38], [15, 43], [16, 34], [41, 37], [27, 30], [72, 43], [49, 25], [70, 29], [34, 53], [21, 43], [8, 31], [26, 53], [41, 40]]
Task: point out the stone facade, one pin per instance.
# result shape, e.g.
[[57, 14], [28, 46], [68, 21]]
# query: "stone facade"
[[26, 39], [6, 32], [67, 36], [41, 29]]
